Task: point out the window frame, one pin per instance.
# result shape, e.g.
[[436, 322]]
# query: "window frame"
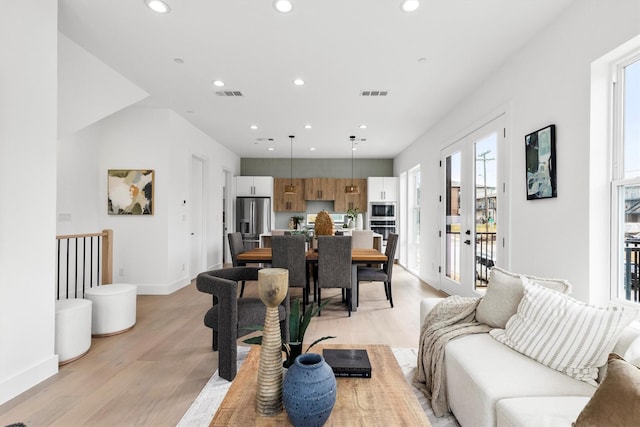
[[618, 181]]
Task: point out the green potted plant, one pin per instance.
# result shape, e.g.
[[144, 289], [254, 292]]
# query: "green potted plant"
[[352, 214], [298, 324]]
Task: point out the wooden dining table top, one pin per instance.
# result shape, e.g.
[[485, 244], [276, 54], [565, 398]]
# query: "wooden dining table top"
[[357, 255]]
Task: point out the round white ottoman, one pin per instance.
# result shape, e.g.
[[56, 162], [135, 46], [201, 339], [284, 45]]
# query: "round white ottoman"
[[114, 308], [73, 329]]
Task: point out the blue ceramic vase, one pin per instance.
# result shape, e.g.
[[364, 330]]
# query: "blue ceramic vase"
[[309, 391]]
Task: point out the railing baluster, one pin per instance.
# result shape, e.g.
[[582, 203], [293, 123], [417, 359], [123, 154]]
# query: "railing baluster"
[[75, 286], [67, 291], [58, 273], [91, 268], [84, 263], [98, 265]]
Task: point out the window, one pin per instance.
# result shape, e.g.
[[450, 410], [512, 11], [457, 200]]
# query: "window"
[[626, 179]]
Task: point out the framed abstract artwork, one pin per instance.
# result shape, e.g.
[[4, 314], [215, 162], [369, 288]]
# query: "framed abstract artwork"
[[130, 192], [540, 152]]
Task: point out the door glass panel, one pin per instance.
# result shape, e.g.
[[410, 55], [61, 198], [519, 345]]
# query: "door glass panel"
[[631, 249], [452, 236], [486, 208], [631, 127]]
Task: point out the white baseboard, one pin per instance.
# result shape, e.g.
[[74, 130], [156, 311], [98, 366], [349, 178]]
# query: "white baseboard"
[[163, 289], [23, 381]]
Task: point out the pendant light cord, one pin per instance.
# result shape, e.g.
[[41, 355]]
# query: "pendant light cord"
[[291, 163], [352, 138]]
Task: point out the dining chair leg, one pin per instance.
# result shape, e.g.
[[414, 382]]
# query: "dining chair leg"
[[242, 289], [319, 302], [349, 301], [387, 286], [305, 300]]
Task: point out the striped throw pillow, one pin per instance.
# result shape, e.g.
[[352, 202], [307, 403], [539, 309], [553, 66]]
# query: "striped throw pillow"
[[562, 333]]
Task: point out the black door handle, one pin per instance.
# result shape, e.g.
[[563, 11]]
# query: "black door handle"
[[467, 242]]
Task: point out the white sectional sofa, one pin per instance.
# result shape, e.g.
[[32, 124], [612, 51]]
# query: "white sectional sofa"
[[489, 384]]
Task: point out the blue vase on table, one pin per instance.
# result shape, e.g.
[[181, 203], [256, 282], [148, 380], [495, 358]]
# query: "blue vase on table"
[[309, 391]]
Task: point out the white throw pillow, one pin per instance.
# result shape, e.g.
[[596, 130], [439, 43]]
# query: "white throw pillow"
[[504, 293], [562, 333]]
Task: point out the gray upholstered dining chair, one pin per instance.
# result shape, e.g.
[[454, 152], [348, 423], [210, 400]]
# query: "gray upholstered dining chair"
[[288, 251], [236, 247], [229, 316], [334, 265], [369, 274]]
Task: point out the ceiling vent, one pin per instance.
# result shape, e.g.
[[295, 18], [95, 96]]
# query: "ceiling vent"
[[374, 93], [229, 93]]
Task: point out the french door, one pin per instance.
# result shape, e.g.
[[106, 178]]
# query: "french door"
[[472, 225]]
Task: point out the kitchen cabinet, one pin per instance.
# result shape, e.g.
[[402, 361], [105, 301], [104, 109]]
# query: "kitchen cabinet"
[[319, 188], [344, 201], [383, 189], [289, 202], [249, 186]]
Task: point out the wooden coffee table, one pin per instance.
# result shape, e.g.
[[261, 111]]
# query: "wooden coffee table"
[[385, 399]]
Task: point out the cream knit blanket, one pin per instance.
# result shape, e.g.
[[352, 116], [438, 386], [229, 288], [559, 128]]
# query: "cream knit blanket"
[[452, 317]]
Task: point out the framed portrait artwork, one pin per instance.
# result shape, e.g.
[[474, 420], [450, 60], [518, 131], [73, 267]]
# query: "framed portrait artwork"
[[540, 152], [130, 192]]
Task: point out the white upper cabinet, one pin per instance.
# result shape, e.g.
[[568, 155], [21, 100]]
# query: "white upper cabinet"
[[382, 189], [258, 186]]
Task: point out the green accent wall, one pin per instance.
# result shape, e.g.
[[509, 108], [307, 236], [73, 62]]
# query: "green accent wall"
[[316, 168]]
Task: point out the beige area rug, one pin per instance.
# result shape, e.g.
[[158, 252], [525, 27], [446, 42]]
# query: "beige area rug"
[[205, 405]]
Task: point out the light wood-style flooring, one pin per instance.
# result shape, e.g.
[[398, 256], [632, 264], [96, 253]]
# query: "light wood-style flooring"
[[150, 375]]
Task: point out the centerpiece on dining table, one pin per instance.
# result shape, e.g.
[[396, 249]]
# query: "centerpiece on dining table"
[[323, 226]]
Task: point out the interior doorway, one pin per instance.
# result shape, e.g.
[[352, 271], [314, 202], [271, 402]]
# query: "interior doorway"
[[197, 228], [227, 200]]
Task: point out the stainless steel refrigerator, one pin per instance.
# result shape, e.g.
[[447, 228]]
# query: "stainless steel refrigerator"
[[253, 217]]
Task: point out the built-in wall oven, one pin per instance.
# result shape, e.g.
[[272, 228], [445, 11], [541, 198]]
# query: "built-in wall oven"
[[382, 219], [383, 227], [382, 211]]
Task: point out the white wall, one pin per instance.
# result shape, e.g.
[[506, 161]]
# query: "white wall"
[[88, 89], [28, 193], [547, 81], [149, 251]]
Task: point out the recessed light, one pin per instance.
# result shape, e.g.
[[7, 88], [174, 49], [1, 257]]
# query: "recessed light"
[[307, 126], [253, 127], [363, 126], [298, 82], [218, 83], [158, 6], [409, 5], [312, 149], [178, 60], [283, 6], [271, 149]]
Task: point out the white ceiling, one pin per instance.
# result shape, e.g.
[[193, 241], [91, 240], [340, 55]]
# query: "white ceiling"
[[339, 47]]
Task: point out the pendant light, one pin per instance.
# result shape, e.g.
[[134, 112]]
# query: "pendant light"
[[290, 189], [352, 189]]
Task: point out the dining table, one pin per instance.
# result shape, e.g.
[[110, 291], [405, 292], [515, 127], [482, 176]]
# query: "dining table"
[[358, 256]]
